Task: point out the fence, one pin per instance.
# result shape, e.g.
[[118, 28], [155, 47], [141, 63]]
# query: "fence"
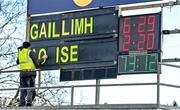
[[97, 86]]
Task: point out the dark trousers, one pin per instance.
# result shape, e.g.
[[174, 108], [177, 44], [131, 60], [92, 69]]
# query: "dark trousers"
[[26, 81]]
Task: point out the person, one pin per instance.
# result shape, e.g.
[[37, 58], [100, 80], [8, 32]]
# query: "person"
[[28, 61]]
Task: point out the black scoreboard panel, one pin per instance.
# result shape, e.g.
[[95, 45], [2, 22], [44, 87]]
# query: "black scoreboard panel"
[[96, 59], [87, 74], [78, 54], [81, 24], [95, 53], [140, 32], [82, 44]]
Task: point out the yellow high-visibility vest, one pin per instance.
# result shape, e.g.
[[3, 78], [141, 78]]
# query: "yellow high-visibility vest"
[[25, 60]]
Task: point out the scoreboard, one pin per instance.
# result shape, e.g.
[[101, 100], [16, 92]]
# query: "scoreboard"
[[97, 44], [82, 44], [140, 39]]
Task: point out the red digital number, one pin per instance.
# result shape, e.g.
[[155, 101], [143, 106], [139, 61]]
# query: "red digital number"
[[142, 41], [126, 26], [150, 41], [145, 25], [151, 23], [147, 41], [126, 43], [141, 26]]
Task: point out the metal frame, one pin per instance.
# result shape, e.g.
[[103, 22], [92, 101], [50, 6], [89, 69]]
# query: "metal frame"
[[150, 5], [98, 86]]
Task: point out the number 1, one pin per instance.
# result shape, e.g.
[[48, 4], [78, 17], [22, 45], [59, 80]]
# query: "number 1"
[[125, 62]]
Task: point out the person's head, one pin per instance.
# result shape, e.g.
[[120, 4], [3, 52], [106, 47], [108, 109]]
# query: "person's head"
[[26, 44]]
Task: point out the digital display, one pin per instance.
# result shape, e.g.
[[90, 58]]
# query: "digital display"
[[140, 32], [138, 63]]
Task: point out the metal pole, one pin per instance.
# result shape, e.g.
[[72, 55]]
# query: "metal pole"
[[72, 95], [175, 31], [171, 60], [97, 92], [27, 22], [39, 82], [170, 65], [158, 87], [159, 64], [39, 78], [27, 27]]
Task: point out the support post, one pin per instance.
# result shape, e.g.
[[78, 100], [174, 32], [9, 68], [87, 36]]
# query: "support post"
[[27, 27], [28, 17], [72, 95], [39, 78], [97, 95], [159, 64], [158, 86]]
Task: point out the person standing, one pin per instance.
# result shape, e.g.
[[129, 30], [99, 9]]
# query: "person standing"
[[28, 61]]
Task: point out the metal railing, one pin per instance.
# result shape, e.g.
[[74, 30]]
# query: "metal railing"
[[97, 86], [72, 87]]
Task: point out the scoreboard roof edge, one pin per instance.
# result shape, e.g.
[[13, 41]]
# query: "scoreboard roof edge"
[[47, 6], [151, 13]]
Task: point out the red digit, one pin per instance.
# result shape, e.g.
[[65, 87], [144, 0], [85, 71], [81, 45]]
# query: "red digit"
[[151, 23], [150, 41], [126, 26], [141, 26], [126, 43], [141, 42]]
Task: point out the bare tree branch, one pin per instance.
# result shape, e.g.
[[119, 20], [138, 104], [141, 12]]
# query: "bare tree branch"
[[12, 102], [12, 32], [46, 100]]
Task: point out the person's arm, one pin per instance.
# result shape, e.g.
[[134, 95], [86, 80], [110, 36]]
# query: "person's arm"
[[35, 59]]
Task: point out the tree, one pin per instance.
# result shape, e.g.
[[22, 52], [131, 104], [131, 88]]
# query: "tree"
[[175, 104], [12, 34], [12, 29], [12, 18], [51, 97]]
